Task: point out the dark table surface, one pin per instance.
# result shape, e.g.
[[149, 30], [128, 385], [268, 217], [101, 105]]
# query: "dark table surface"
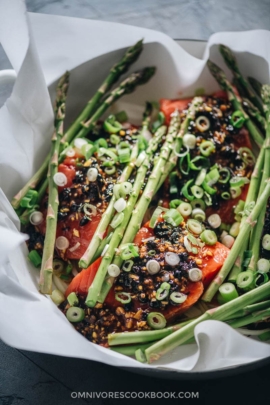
[[35, 378]]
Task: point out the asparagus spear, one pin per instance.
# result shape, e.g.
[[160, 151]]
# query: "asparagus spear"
[[251, 198], [151, 186], [245, 229], [251, 318], [255, 242], [220, 77], [256, 85], [124, 338], [127, 86], [130, 56], [221, 313], [231, 62], [95, 288], [193, 108], [90, 252], [45, 282], [254, 113]]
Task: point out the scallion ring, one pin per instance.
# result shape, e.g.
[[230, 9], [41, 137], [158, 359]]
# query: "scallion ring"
[[263, 266], [185, 209], [198, 203], [161, 294], [246, 280], [198, 214], [156, 320], [266, 242], [172, 259], [152, 266], [246, 155], [189, 141], [197, 191], [261, 278], [185, 191], [200, 178], [92, 174], [123, 297], [110, 170], [228, 292], [225, 195], [194, 274], [124, 155], [175, 203], [178, 297], [155, 216], [75, 314], [214, 221], [202, 123], [127, 266], [206, 148], [238, 119], [89, 209], [225, 175], [235, 192], [194, 226], [113, 270], [209, 237], [173, 217]]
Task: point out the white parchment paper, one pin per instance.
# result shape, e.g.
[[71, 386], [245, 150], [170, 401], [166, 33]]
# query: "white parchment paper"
[[40, 49]]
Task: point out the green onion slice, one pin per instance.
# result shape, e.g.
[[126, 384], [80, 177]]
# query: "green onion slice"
[[123, 297], [198, 214], [266, 242], [228, 292], [107, 152], [203, 163], [237, 119], [30, 199], [197, 191], [114, 139], [124, 155], [206, 148], [225, 195], [209, 237], [127, 266], [73, 299], [263, 266], [246, 280], [261, 278], [202, 123], [238, 181], [235, 192], [35, 258], [200, 178], [194, 226], [111, 125], [185, 209], [185, 191], [198, 203], [156, 214], [173, 217], [101, 143], [247, 155], [128, 251], [225, 175], [75, 314], [156, 320], [175, 203], [178, 297], [161, 294]]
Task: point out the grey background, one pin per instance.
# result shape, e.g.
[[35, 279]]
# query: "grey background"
[[33, 378]]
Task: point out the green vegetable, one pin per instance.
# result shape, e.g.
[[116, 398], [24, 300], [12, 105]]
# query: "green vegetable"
[[111, 125], [35, 258], [57, 297], [75, 314], [123, 297], [209, 237], [246, 280], [228, 292], [73, 299], [156, 320]]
